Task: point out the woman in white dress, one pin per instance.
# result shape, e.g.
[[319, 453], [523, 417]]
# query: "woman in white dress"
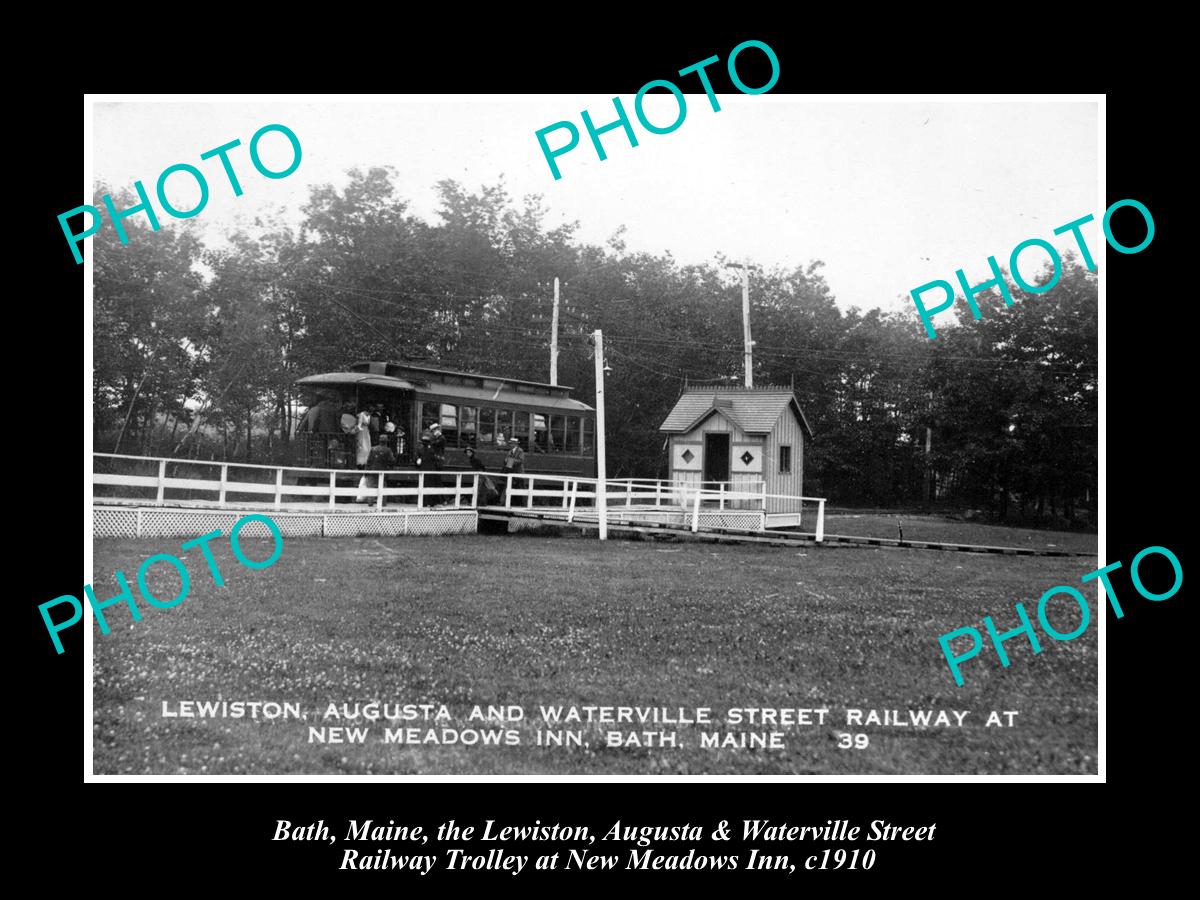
[[362, 446], [362, 440]]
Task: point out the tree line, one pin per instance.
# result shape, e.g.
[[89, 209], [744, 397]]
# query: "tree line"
[[197, 348]]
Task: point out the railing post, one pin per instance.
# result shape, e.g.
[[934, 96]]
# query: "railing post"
[[279, 487], [565, 491], [162, 476], [764, 498], [379, 491], [721, 497], [332, 489], [820, 520], [571, 507], [696, 511], [458, 490], [529, 482], [475, 490], [628, 493], [420, 490], [224, 481]]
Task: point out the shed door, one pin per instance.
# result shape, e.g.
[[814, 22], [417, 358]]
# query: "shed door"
[[716, 458]]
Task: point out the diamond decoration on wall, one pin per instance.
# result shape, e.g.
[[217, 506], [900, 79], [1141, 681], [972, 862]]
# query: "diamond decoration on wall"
[[747, 457], [688, 455]]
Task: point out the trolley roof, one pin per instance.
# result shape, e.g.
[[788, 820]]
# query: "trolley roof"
[[356, 379], [420, 373], [450, 385]]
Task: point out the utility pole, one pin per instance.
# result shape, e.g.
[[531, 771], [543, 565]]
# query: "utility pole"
[[601, 467], [747, 344], [928, 469], [554, 337], [930, 486]]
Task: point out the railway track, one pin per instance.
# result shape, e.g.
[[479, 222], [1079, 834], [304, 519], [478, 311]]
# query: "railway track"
[[771, 538]]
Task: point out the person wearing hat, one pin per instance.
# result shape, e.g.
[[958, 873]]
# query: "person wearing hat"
[[474, 461], [425, 460], [396, 439], [488, 493], [380, 457], [438, 443], [515, 460], [428, 462], [514, 463]]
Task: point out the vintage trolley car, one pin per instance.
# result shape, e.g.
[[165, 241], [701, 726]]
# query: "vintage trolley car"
[[483, 412]]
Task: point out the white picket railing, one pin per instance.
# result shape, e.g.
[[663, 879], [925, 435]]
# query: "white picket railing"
[[565, 494], [446, 488], [641, 494]]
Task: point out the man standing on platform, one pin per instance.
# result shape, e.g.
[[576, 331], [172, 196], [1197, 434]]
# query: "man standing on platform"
[[514, 464], [381, 456]]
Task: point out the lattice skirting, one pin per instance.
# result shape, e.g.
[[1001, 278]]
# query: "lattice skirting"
[[152, 522], [746, 521]]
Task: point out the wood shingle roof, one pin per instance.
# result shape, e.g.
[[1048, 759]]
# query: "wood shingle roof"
[[754, 410]]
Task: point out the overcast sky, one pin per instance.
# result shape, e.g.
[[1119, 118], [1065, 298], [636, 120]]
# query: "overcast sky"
[[890, 195]]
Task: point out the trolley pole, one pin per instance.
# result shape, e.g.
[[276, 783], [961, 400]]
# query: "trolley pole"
[[601, 467], [747, 343], [554, 338], [749, 352]]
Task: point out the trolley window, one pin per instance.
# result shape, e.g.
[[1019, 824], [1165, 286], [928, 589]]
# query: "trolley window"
[[468, 426], [503, 425], [487, 425], [539, 433], [558, 433], [521, 428], [449, 423], [589, 435], [572, 443]]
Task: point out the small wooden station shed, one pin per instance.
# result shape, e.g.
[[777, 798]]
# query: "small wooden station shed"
[[743, 438]]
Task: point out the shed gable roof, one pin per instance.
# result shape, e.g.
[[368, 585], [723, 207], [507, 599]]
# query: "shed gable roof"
[[754, 411]]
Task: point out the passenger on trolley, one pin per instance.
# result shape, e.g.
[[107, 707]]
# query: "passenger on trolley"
[[380, 457]]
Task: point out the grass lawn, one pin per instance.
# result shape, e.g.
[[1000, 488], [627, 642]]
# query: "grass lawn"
[[532, 621]]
